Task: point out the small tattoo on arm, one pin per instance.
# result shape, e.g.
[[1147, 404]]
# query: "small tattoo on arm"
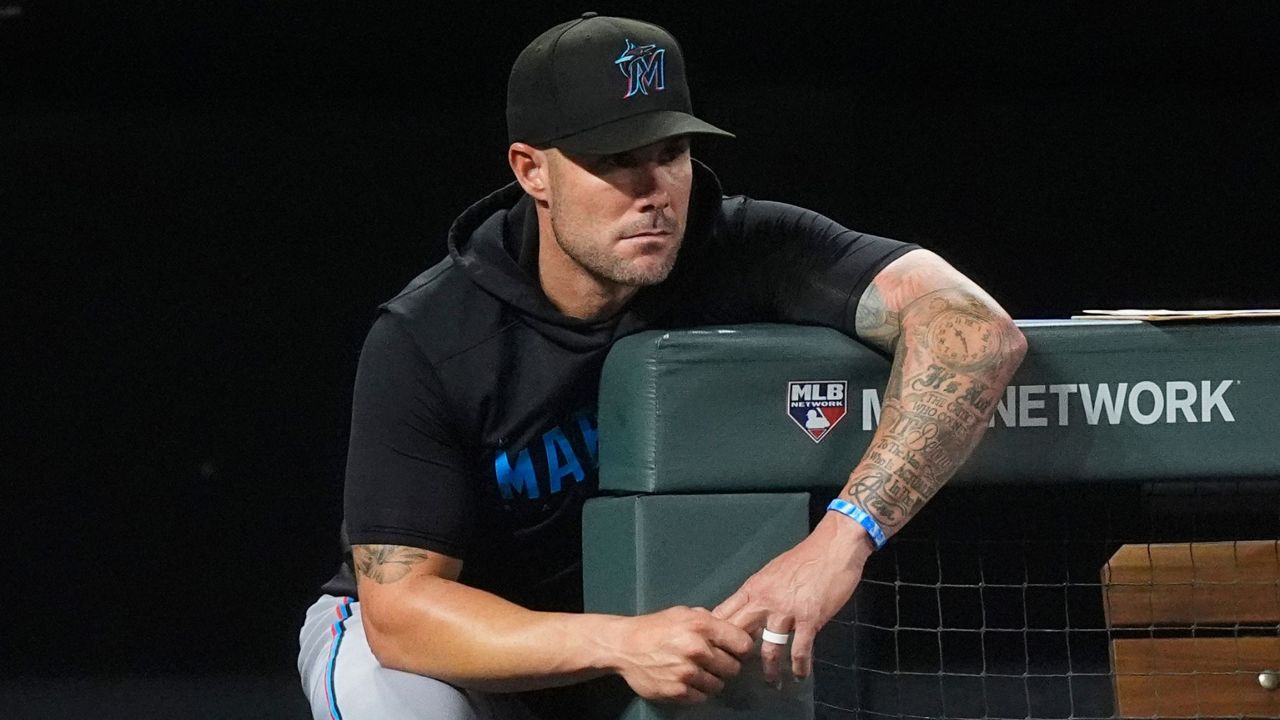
[[385, 564], [875, 322]]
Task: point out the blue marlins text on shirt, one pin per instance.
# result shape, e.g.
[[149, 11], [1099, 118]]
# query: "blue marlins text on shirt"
[[533, 474]]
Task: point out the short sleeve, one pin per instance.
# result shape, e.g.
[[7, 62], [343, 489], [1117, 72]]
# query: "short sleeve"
[[806, 268], [407, 481]]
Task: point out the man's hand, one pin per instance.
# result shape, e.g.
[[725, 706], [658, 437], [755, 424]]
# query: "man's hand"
[[799, 591], [682, 655], [419, 619]]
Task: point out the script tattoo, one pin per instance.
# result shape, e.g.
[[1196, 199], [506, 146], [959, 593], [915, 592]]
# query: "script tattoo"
[[933, 379], [977, 396], [889, 497], [953, 354], [385, 564]]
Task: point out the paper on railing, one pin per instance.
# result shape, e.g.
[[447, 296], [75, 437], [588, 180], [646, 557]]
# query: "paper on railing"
[[1172, 315]]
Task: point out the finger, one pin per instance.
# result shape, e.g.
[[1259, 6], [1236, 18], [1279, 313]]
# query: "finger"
[[802, 650], [706, 684], [721, 664], [726, 635], [771, 660], [771, 654], [730, 605], [749, 618], [690, 697]]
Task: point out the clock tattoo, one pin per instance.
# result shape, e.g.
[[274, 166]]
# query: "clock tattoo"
[[961, 340]]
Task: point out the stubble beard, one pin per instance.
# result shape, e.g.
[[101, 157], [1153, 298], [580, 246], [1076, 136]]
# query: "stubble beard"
[[604, 265]]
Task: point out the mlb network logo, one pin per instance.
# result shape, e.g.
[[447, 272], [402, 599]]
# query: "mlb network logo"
[[817, 405]]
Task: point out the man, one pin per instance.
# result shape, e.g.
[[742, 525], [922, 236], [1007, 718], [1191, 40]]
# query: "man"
[[473, 432]]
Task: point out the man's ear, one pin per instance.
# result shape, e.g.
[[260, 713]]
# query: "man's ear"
[[530, 166]]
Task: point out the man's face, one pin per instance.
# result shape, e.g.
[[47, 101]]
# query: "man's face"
[[622, 217]]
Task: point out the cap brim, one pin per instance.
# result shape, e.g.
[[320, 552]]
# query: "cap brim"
[[636, 131]]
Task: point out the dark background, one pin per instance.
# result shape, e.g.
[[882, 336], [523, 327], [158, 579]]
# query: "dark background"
[[202, 203]]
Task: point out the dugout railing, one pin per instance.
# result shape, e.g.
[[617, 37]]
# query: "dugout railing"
[[1109, 550]]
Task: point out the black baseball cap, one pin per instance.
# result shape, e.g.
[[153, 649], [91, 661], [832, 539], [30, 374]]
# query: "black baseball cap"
[[601, 85]]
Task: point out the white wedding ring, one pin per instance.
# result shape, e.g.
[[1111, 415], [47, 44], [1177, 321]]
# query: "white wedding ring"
[[776, 638]]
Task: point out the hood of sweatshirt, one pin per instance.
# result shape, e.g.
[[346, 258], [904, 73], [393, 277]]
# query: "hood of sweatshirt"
[[495, 243]]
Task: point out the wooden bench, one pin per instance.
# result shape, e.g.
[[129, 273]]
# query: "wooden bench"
[[1195, 627]]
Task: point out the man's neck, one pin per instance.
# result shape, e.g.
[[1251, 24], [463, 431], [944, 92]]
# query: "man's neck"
[[574, 291]]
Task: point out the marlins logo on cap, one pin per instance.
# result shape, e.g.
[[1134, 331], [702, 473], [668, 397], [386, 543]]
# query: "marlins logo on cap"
[[644, 67]]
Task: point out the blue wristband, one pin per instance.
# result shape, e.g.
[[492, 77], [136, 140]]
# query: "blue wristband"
[[862, 518]]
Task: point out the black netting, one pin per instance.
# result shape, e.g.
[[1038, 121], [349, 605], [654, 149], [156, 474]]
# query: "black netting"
[[990, 604]]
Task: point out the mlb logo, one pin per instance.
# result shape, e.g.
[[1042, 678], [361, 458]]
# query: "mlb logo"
[[817, 405]]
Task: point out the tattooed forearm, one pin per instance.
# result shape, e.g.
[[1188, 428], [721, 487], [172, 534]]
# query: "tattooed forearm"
[[954, 355], [386, 563]]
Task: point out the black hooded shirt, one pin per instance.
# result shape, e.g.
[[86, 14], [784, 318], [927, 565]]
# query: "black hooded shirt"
[[473, 428]]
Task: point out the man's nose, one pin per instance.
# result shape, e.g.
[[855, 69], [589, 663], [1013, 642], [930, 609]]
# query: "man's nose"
[[647, 185]]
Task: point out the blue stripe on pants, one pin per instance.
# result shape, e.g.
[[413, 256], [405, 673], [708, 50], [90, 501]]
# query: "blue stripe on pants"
[[337, 630]]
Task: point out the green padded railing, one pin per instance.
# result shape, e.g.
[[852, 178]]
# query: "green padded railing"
[[703, 440], [706, 410]]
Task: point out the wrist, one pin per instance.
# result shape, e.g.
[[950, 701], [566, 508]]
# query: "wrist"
[[604, 640], [845, 536], [860, 516]]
